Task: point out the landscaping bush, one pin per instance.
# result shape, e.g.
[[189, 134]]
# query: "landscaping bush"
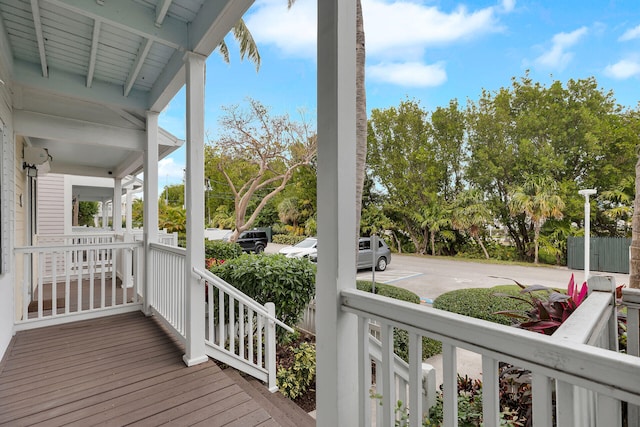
[[481, 303], [295, 380], [219, 249], [288, 239], [287, 282], [430, 347]]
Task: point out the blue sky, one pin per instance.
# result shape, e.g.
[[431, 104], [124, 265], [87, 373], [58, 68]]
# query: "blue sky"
[[431, 51]]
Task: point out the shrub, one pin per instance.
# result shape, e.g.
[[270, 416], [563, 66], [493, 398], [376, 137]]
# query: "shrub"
[[295, 380], [430, 347], [481, 303], [287, 239], [220, 249], [287, 282]]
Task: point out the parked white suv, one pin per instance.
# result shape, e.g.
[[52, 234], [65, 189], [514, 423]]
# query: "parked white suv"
[[303, 249]]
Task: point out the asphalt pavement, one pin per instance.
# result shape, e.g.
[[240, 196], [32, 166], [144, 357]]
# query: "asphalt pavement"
[[430, 277]]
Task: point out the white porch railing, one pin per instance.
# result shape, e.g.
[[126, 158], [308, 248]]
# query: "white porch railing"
[[167, 286], [240, 331], [554, 361], [631, 299], [74, 280]]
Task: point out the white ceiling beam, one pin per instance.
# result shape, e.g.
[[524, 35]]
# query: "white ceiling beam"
[[128, 117], [94, 51], [37, 23], [82, 170], [46, 126], [74, 86], [129, 166], [161, 11], [137, 66], [132, 17]]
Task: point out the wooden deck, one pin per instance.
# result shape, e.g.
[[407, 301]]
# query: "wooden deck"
[[126, 370]]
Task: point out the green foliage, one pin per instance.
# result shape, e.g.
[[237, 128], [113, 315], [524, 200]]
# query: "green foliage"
[[220, 249], [86, 212], [287, 239], [430, 347], [287, 282], [295, 380], [481, 303]]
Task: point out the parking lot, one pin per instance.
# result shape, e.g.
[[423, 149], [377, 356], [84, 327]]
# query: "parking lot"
[[430, 277]]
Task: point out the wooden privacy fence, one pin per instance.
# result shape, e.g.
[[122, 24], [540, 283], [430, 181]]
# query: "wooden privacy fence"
[[610, 254]]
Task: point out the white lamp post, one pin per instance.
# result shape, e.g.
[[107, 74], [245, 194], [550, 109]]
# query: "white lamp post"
[[587, 228]]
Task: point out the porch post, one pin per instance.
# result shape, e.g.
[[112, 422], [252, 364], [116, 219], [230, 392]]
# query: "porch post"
[[337, 381], [150, 204], [129, 213], [194, 191], [117, 205]]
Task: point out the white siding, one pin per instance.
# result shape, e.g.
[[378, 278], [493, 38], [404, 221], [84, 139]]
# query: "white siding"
[[7, 279], [50, 204]]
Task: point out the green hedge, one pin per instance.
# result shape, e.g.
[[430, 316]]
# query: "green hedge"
[[481, 303], [287, 239], [430, 347], [287, 282], [220, 249]]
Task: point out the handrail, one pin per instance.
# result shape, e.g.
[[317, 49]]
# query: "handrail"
[[166, 248], [58, 248], [204, 275], [579, 364]]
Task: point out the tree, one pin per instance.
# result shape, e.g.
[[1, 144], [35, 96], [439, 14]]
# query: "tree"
[[471, 214], [288, 212], [87, 212], [436, 216], [538, 200], [270, 147], [247, 44]]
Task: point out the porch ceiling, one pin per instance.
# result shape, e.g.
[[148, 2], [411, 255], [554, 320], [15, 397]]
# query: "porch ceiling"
[[85, 72]]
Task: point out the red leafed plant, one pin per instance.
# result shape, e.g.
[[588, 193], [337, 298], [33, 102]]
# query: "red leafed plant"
[[549, 307], [210, 262]]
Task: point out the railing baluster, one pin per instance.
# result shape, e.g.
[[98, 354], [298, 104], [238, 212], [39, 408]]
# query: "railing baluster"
[[79, 260], [608, 412], [40, 284], [565, 403], [633, 348], [91, 266], [450, 385], [365, 371], [114, 278], [54, 285], [232, 325], [251, 336], [270, 356], [260, 332], [27, 262], [387, 371], [241, 329], [220, 318], [210, 311], [490, 392], [67, 280], [103, 278], [541, 393], [415, 387]]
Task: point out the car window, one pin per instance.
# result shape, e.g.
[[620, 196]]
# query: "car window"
[[380, 244], [365, 245]]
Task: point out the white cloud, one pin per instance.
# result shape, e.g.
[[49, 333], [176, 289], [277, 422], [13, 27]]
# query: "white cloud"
[[169, 170], [413, 74], [623, 69], [394, 29], [558, 56], [633, 33]]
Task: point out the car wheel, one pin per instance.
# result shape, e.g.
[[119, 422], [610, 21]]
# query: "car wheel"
[[259, 249], [382, 264]]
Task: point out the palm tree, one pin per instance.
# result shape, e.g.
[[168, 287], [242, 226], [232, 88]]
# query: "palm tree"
[[634, 274], [361, 111], [471, 214], [248, 47], [538, 200], [288, 212], [436, 215]]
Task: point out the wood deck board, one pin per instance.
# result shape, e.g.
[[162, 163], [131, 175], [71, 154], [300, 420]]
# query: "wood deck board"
[[119, 370]]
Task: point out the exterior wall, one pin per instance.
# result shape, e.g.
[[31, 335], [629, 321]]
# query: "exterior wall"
[[20, 227], [7, 278], [51, 204]]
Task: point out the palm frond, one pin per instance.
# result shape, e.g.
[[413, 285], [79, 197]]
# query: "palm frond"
[[224, 51], [248, 47]]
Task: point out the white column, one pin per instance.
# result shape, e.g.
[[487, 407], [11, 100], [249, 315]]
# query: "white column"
[[337, 380], [150, 203], [117, 205], [105, 214], [129, 211], [194, 189]]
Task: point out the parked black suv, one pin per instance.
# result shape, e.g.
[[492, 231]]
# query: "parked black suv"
[[253, 241]]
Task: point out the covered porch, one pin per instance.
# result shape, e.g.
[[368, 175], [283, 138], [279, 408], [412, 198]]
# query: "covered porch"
[[66, 88]]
